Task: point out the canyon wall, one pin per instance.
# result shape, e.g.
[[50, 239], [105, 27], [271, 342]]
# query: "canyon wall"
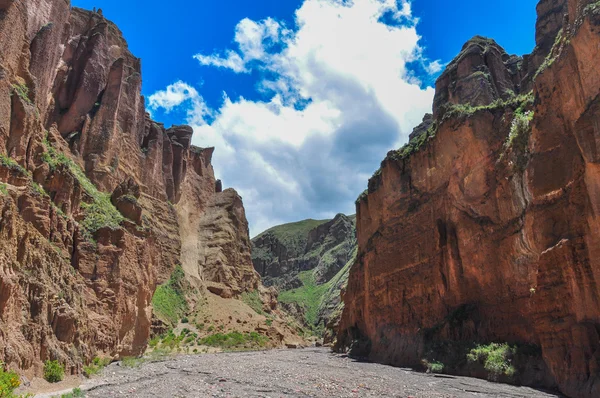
[[98, 203], [486, 226]]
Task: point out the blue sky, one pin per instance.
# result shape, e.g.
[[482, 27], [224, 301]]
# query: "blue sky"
[[317, 91]]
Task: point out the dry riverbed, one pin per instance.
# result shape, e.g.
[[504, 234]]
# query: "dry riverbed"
[[311, 372]]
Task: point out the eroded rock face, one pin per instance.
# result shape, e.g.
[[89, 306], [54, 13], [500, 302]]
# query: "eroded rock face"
[[93, 194], [471, 238]]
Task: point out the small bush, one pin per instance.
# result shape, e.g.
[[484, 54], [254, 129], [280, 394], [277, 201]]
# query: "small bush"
[[96, 366], [9, 382], [269, 322], [3, 189], [53, 371], [496, 359], [433, 366], [184, 320]]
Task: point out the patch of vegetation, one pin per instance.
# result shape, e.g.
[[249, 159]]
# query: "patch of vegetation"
[[433, 366], [362, 196], [12, 164], [309, 296], [559, 42], [496, 359], [415, 144], [132, 362], [53, 371], [465, 110], [3, 188], [518, 138], [37, 189], [252, 299], [23, 92], [9, 382], [96, 366], [592, 8], [169, 299], [99, 212], [76, 393], [234, 340]]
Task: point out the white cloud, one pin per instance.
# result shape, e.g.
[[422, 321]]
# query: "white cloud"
[[175, 95], [253, 39], [338, 96]]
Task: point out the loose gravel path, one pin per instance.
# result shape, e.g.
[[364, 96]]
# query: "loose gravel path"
[[311, 372]]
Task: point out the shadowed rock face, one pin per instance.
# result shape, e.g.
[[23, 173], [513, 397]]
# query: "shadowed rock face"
[[474, 238], [282, 252], [98, 203]]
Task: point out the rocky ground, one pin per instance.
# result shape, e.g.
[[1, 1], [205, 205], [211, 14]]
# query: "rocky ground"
[[311, 372]]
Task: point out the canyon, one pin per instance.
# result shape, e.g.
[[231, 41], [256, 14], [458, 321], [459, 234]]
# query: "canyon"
[[485, 227], [100, 205], [482, 232]]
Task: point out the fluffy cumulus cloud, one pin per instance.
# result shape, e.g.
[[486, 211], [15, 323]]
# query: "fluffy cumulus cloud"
[[337, 95]]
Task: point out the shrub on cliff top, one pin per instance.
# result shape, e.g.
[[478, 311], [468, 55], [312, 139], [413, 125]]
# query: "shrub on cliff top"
[[53, 371]]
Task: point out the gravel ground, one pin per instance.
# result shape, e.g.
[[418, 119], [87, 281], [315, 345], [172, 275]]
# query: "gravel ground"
[[311, 372]]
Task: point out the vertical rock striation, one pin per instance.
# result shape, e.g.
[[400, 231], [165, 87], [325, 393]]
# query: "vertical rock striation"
[[486, 226]]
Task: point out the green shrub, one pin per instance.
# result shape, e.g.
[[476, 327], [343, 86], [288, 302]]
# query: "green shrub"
[[53, 371], [96, 366], [3, 189], [496, 359], [9, 382], [184, 320], [433, 366]]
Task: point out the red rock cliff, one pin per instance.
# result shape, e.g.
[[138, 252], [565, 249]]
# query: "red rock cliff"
[[98, 203], [486, 227]]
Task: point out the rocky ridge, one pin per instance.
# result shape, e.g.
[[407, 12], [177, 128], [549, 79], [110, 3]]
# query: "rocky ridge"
[[98, 203], [485, 228], [308, 262]]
